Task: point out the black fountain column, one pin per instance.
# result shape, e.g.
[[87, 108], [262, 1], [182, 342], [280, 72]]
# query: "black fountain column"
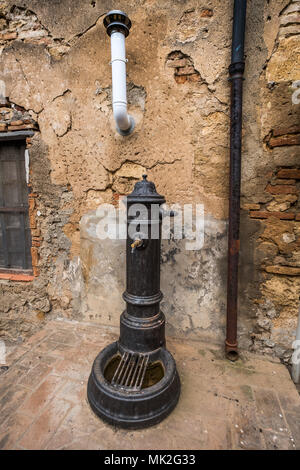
[[134, 382], [143, 323]]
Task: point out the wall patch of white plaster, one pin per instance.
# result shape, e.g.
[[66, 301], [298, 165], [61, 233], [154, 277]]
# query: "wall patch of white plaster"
[[27, 165], [2, 92], [2, 352]]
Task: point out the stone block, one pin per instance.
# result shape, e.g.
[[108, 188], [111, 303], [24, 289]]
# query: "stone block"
[[293, 173], [284, 270], [266, 215], [282, 189]]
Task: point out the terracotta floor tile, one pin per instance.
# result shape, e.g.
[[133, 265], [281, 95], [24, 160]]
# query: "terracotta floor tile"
[[45, 347], [10, 403], [84, 443], [14, 427], [11, 377], [84, 353], [43, 428], [38, 337], [37, 400], [14, 356], [32, 359], [35, 375], [65, 337], [72, 370], [73, 391], [78, 422]]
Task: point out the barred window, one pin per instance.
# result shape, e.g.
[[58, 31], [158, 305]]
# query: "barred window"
[[15, 237]]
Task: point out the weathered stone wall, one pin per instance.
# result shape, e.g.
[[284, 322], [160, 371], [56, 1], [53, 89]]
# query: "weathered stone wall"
[[55, 68], [271, 183]]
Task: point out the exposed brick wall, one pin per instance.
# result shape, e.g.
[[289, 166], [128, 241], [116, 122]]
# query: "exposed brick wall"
[[183, 65], [36, 237], [21, 24], [284, 187], [15, 118], [278, 260], [283, 137]]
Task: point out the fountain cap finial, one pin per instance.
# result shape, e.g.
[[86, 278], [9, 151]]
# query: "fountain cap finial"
[[145, 191], [117, 20]]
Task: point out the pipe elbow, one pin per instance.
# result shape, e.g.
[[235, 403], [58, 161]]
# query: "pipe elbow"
[[124, 122]]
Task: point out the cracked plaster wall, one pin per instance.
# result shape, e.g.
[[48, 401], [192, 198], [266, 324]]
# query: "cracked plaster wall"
[[55, 65]]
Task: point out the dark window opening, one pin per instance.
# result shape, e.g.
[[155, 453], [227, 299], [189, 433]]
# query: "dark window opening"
[[15, 237]]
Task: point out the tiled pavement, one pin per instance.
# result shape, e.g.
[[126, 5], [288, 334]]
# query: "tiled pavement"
[[250, 404]]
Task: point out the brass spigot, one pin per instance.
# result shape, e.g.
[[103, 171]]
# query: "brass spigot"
[[138, 242]]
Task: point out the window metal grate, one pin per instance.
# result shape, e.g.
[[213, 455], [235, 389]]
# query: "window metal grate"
[[15, 237]]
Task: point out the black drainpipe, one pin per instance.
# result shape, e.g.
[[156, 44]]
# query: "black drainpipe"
[[236, 71]]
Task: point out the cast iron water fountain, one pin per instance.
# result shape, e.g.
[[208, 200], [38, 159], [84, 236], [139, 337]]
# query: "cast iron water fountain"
[[134, 382]]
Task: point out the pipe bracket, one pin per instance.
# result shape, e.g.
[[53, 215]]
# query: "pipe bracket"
[[120, 60]]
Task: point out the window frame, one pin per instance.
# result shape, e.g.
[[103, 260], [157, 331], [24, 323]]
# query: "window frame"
[[6, 272]]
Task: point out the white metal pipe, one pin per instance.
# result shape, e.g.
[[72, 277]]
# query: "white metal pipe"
[[296, 355], [124, 122]]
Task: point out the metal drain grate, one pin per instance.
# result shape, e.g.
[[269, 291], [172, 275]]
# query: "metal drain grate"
[[131, 371]]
